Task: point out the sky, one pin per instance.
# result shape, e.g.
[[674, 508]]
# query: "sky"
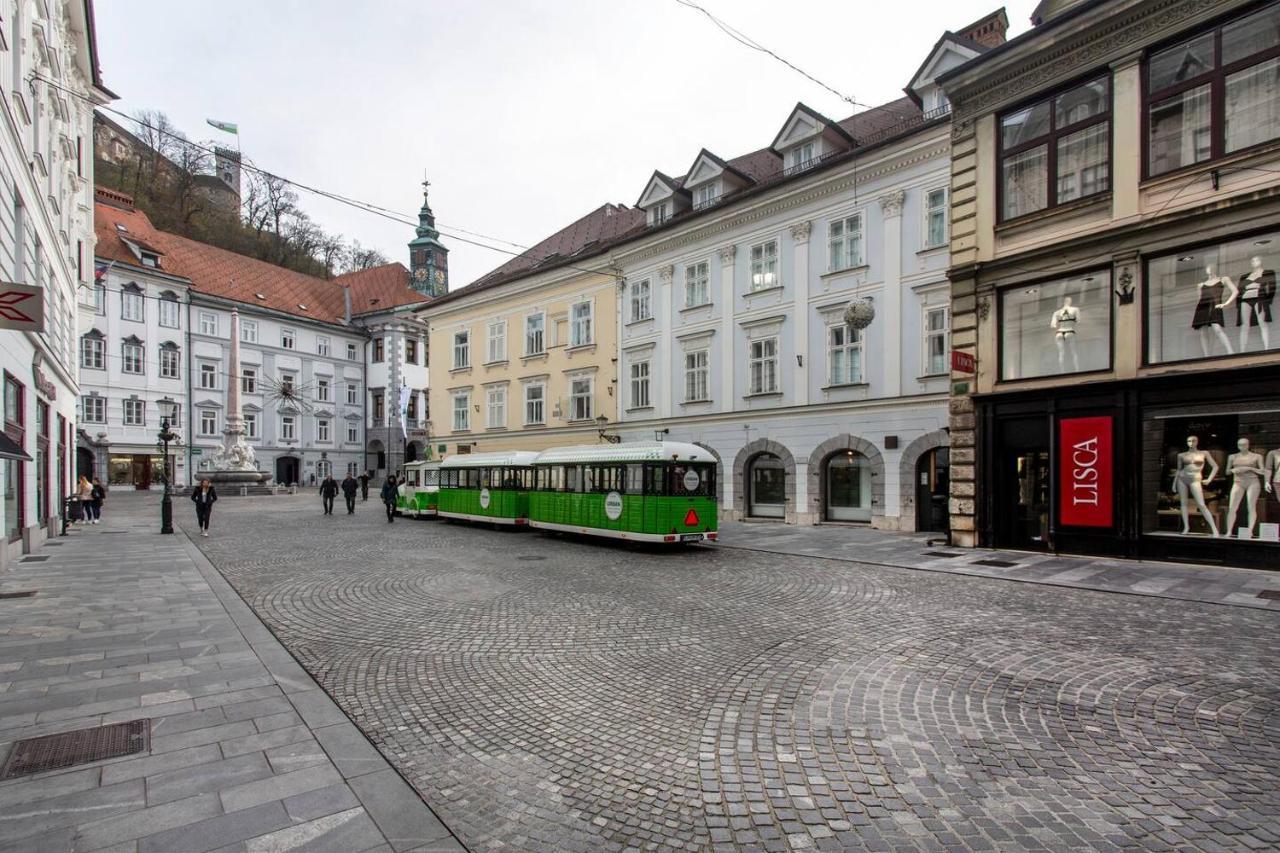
[[524, 115]]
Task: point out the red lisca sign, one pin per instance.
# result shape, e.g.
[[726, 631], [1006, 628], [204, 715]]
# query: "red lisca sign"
[[1085, 472], [963, 362]]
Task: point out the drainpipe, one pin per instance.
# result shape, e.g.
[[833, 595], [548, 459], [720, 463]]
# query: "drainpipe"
[[190, 423], [364, 406]]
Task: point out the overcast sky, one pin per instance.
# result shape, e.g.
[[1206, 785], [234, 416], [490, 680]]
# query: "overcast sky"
[[525, 115]]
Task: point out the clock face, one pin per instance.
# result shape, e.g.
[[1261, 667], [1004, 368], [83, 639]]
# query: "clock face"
[[439, 276], [420, 274]]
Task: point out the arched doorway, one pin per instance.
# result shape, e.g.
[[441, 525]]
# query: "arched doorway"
[[846, 478], [287, 470], [766, 486], [85, 463], [412, 452], [933, 485], [376, 456]]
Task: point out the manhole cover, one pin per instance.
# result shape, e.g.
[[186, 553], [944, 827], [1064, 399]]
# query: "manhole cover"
[[65, 749], [33, 559], [999, 564], [939, 554], [24, 593], [530, 558], [1269, 593]]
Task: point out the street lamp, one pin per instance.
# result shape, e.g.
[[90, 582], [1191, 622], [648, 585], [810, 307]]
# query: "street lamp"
[[602, 422], [168, 415]]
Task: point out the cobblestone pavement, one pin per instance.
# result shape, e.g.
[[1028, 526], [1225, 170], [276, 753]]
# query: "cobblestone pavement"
[[549, 693]]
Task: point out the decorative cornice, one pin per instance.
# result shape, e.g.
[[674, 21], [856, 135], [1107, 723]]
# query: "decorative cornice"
[[891, 203], [727, 253], [800, 231]]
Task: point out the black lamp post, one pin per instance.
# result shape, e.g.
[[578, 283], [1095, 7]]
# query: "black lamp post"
[[168, 414]]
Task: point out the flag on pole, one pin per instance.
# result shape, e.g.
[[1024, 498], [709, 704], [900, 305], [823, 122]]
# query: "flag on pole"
[[226, 126], [100, 271], [405, 394]]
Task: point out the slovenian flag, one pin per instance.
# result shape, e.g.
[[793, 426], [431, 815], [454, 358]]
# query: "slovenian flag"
[[100, 271], [225, 126]]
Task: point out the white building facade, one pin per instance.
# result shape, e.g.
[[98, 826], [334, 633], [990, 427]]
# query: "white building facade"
[[49, 75], [396, 356]]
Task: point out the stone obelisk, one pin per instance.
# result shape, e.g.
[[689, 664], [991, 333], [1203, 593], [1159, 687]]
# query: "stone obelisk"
[[236, 462]]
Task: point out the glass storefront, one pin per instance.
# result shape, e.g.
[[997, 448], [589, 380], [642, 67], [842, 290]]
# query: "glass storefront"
[[848, 479], [768, 479], [12, 495], [1213, 301], [1056, 327], [138, 470]]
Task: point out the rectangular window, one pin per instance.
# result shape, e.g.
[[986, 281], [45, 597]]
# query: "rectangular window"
[[322, 345], [697, 375], [379, 409], [288, 339], [169, 313], [801, 158], [288, 427], [353, 394], [697, 285], [378, 350], [134, 412], [640, 385], [93, 353], [640, 303], [764, 366], [764, 265], [286, 384], [580, 333], [581, 399], [169, 368], [1056, 150], [248, 331], [706, 195], [534, 328], [250, 425], [1056, 327], [322, 430], [410, 351], [131, 305], [497, 341], [249, 380], [461, 350], [322, 390], [844, 242], [353, 434], [208, 323], [352, 352], [209, 377], [496, 407], [411, 408], [935, 217], [100, 299], [660, 213], [95, 410], [936, 344], [534, 400], [1214, 93], [461, 412], [133, 358], [844, 355]]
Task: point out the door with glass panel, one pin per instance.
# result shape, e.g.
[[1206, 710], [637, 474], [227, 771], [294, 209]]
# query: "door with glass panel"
[[848, 481], [767, 497]]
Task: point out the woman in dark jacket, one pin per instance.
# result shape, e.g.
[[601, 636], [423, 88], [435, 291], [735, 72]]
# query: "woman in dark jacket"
[[204, 498], [97, 496], [389, 494]]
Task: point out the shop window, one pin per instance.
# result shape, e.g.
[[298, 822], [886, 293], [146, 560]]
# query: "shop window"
[[1056, 327], [1213, 301], [1213, 474]]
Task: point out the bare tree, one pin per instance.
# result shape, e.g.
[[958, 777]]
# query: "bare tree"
[[363, 258]]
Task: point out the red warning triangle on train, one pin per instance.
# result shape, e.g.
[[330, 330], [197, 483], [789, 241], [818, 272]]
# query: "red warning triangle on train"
[[691, 518]]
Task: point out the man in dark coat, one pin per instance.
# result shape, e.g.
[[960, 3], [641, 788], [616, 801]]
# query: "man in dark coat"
[[389, 494], [328, 491], [364, 486], [349, 488]]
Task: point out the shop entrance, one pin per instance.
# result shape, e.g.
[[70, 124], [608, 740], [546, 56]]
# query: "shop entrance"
[[1022, 484], [932, 491], [141, 472], [287, 470], [848, 480], [768, 483]]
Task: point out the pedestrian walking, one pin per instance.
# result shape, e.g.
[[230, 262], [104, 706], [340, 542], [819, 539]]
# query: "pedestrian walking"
[[389, 493], [349, 487], [80, 506], [97, 498], [328, 491], [204, 496], [364, 485]]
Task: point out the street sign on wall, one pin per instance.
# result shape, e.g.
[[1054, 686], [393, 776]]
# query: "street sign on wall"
[[963, 362], [21, 307], [1085, 475]]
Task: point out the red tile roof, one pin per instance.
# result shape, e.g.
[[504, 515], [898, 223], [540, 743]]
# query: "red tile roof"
[[380, 288]]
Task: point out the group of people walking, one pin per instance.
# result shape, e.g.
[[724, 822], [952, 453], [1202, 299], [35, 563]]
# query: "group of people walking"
[[329, 488], [91, 496]]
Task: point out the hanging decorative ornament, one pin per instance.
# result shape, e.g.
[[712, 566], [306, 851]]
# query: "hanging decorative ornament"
[[859, 313]]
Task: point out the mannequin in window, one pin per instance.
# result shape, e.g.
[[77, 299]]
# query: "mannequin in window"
[[1063, 323], [1209, 308], [1273, 471], [1189, 482], [1248, 478], [1257, 291]]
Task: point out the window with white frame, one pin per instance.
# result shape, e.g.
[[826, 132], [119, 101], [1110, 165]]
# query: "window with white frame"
[[248, 331], [496, 407], [697, 376], [764, 265], [697, 285], [461, 350], [936, 323], [353, 394], [93, 352], [209, 377], [411, 350], [249, 380], [133, 354], [169, 312], [322, 390], [844, 241], [322, 429], [100, 299], [322, 345], [764, 366], [535, 334], [353, 434], [640, 384], [660, 213], [208, 422], [935, 218], [641, 306], [801, 157], [580, 332], [461, 411], [288, 339], [496, 341], [208, 323], [844, 355], [169, 363], [131, 304], [352, 354], [535, 397], [250, 425], [134, 412], [95, 410], [706, 195], [288, 427], [581, 398], [286, 384]]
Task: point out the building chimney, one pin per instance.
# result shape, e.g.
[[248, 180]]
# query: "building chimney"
[[988, 31], [346, 304]]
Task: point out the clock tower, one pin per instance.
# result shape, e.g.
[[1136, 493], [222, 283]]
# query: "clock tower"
[[428, 258]]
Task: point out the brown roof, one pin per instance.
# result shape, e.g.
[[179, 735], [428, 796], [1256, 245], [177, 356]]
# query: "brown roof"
[[380, 288]]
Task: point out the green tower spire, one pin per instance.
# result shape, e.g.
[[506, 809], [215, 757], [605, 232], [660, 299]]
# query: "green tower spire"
[[428, 257]]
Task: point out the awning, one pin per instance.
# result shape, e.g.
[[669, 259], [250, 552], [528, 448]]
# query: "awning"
[[10, 449]]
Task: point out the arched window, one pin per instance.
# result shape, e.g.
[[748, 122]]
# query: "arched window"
[[767, 479], [847, 480]]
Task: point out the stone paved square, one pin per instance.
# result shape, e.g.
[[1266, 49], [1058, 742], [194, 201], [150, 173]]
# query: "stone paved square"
[[553, 693]]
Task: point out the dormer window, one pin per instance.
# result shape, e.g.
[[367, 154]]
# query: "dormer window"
[[802, 157], [150, 259], [660, 213], [706, 195]]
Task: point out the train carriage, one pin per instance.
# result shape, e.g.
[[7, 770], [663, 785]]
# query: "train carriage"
[[662, 491], [418, 492], [492, 487]]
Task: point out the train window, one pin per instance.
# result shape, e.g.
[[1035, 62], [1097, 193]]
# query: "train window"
[[635, 479], [691, 480], [486, 478], [653, 480], [573, 478]]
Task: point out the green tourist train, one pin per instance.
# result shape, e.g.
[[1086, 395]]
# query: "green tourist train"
[[492, 487], [417, 493]]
